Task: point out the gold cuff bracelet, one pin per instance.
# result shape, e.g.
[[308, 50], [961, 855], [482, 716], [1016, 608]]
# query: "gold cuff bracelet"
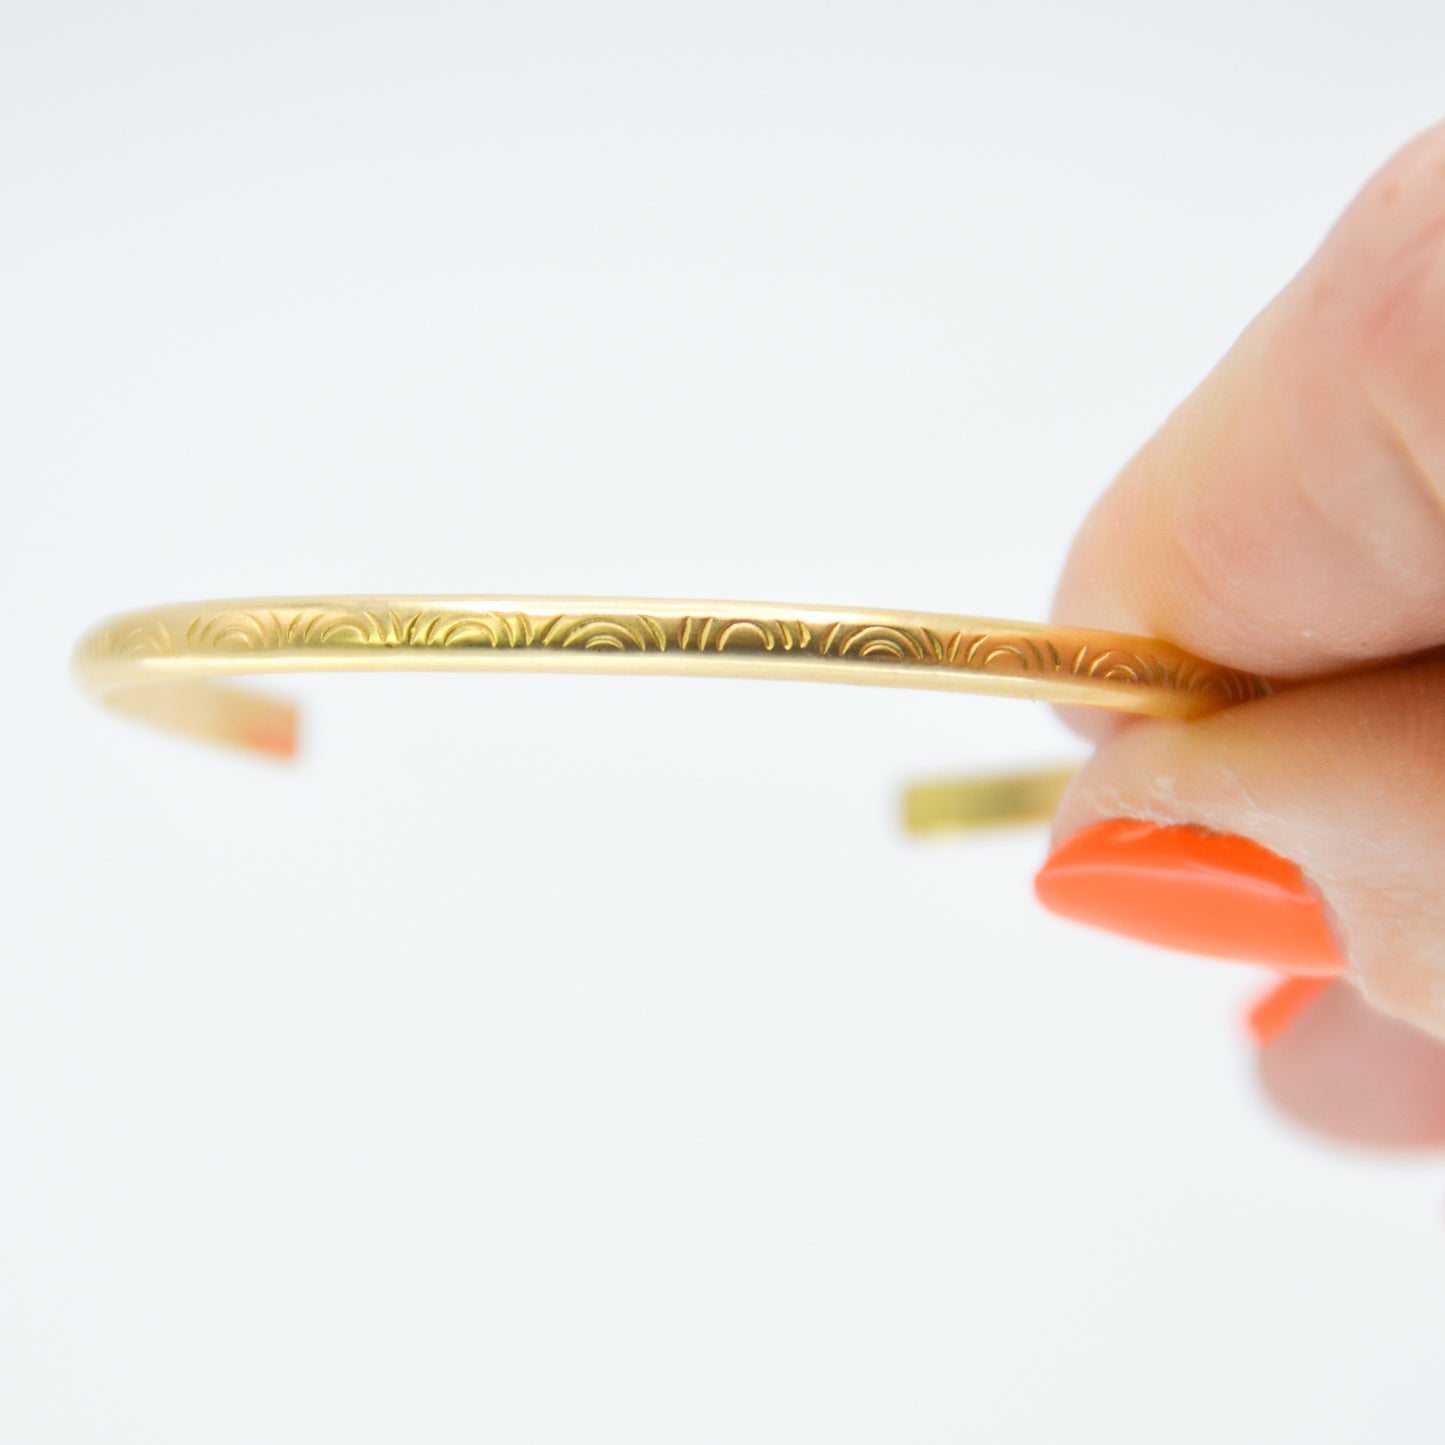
[[162, 664]]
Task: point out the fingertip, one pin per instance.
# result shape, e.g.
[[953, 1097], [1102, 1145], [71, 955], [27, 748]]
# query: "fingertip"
[[1339, 1069]]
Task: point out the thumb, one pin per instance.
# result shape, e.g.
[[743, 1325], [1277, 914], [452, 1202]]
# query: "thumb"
[[1302, 831]]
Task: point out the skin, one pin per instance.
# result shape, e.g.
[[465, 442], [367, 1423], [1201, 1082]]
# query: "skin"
[[1289, 518]]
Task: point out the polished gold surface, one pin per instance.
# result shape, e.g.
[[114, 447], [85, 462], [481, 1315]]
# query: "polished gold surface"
[[163, 664], [989, 800]]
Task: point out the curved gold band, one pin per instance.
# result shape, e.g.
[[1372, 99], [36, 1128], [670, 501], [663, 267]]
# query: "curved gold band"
[[161, 664]]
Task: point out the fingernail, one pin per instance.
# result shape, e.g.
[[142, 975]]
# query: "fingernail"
[[1282, 1005], [1182, 887]]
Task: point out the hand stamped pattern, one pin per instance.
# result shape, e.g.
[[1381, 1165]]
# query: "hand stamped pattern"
[[867, 641]]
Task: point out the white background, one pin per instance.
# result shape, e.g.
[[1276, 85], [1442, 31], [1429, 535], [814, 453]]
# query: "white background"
[[556, 1059]]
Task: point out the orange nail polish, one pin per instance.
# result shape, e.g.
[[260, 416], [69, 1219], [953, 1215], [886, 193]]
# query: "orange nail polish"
[[1185, 888], [1282, 1005]]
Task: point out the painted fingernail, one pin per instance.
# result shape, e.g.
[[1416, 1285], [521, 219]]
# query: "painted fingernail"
[[1182, 887], [1282, 1005]]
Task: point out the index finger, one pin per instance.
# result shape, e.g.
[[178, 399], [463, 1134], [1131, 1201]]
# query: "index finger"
[[1289, 517]]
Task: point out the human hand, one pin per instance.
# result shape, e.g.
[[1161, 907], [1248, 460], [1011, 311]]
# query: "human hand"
[[1289, 519]]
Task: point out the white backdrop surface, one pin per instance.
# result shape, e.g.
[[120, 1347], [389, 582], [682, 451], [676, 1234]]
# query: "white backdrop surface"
[[554, 1059]]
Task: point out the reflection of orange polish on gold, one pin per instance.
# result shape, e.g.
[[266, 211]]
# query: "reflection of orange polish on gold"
[[1185, 888], [277, 743], [1282, 1005]]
